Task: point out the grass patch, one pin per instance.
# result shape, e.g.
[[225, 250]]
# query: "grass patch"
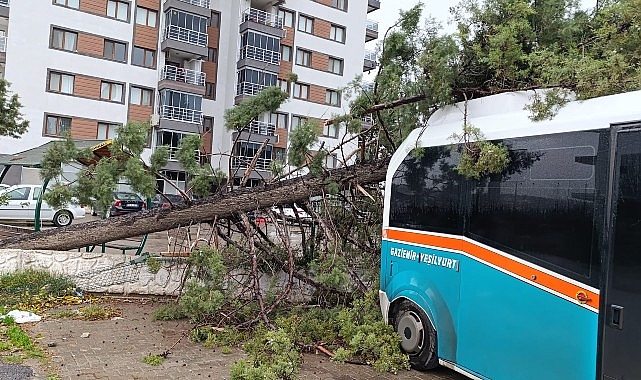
[[12, 359], [169, 312], [154, 360], [98, 312], [225, 350], [65, 314], [34, 290]]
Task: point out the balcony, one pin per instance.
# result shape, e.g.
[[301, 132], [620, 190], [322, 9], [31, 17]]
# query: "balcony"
[[265, 22], [187, 43], [248, 88], [242, 162], [369, 62], [261, 128], [189, 36], [179, 74], [4, 3], [260, 54], [198, 3], [373, 5], [371, 30], [186, 115]]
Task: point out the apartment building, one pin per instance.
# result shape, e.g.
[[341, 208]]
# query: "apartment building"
[[86, 66]]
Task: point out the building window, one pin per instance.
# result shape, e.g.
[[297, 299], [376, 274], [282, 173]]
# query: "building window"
[[62, 83], [284, 85], [252, 81], [330, 130], [175, 105], [285, 53], [337, 33], [340, 4], [260, 47], [301, 91], [303, 57], [146, 16], [69, 3], [210, 90], [115, 51], [287, 17], [278, 119], [64, 39], [331, 161], [212, 54], [57, 125], [298, 120], [305, 24], [171, 140], [208, 123], [333, 98], [335, 65], [140, 96], [143, 57], [186, 27], [214, 20], [107, 131], [118, 9], [111, 91]]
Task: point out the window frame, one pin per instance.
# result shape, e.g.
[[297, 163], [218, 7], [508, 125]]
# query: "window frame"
[[308, 24], [211, 23], [111, 86], [212, 54], [142, 91], [60, 86], [300, 120], [109, 126], [58, 119], [144, 57], [147, 13], [298, 88], [282, 13], [65, 3], [330, 130], [114, 44], [331, 64], [210, 90], [333, 33], [117, 5], [337, 4], [306, 57], [282, 53], [329, 97], [64, 35]]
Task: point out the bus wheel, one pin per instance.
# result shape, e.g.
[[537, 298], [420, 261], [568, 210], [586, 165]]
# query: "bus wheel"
[[418, 336]]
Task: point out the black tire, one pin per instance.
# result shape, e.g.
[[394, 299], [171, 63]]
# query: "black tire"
[[62, 218], [418, 336]]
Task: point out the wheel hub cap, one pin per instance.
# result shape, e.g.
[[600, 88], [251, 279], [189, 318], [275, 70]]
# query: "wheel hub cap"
[[411, 330]]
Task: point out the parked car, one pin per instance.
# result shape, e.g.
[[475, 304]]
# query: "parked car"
[[21, 206], [125, 203], [166, 200], [3, 186], [289, 213]]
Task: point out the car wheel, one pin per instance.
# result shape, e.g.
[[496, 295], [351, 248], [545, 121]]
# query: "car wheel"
[[62, 218], [418, 336]]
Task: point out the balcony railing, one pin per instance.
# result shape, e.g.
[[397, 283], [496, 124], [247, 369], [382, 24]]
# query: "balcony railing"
[[370, 56], [242, 162], [180, 114], [260, 54], [178, 74], [248, 88], [3, 44], [189, 36], [200, 3], [262, 17], [371, 26], [262, 128], [4, 3]]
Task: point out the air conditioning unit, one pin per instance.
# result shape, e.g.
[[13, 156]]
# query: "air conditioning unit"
[[154, 120]]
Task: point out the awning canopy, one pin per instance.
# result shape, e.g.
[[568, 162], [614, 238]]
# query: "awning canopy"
[[31, 158]]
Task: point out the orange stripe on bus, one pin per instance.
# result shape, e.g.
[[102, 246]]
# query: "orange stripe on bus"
[[519, 269]]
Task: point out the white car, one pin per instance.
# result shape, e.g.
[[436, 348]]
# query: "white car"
[[289, 213], [21, 206]]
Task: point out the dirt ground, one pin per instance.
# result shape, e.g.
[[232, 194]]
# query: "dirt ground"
[[114, 348]]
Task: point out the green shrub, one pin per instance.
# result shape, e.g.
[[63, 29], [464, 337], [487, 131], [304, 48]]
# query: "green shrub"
[[169, 312]]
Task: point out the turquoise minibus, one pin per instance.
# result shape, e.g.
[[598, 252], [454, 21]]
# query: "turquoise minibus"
[[531, 273]]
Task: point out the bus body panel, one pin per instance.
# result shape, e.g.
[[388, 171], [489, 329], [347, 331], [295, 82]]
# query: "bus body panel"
[[437, 288], [509, 329]]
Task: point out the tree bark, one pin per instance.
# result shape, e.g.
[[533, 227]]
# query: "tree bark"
[[210, 208]]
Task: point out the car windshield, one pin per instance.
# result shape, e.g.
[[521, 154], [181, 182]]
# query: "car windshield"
[[127, 196]]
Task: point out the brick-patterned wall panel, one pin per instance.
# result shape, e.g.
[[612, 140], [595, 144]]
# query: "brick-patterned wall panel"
[[213, 36], [139, 113], [150, 4], [325, 2], [98, 7], [146, 37], [87, 87], [210, 69], [84, 129], [207, 139], [322, 28], [282, 138], [289, 36], [320, 61], [90, 44], [285, 68], [316, 94]]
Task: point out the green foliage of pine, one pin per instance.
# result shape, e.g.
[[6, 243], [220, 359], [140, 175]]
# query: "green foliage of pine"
[[273, 356], [188, 152], [269, 99], [12, 123], [300, 139]]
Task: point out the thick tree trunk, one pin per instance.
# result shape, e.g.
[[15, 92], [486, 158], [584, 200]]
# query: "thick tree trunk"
[[220, 206]]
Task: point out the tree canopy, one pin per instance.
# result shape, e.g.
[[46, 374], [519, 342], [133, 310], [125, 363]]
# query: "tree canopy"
[[12, 123]]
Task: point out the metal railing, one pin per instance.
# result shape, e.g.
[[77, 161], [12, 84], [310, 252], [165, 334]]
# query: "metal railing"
[[4, 3], [189, 36], [371, 25], [3, 44], [200, 3], [262, 128], [260, 54], [179, 74], [248, 88], [262, 17], [181, 114], [370, 56], [242, 162]]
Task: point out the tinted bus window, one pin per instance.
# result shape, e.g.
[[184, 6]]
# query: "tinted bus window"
[[427, 192], [546, 205]]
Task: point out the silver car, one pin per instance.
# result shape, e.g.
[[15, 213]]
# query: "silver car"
[[21, 206]]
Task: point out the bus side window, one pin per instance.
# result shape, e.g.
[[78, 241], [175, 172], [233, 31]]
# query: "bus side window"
[[544, 207]]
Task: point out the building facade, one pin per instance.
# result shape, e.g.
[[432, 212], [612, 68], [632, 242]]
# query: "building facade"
[[86, 66]]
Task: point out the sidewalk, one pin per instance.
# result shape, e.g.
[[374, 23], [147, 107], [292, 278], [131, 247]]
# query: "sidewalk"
[[114, 349]]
